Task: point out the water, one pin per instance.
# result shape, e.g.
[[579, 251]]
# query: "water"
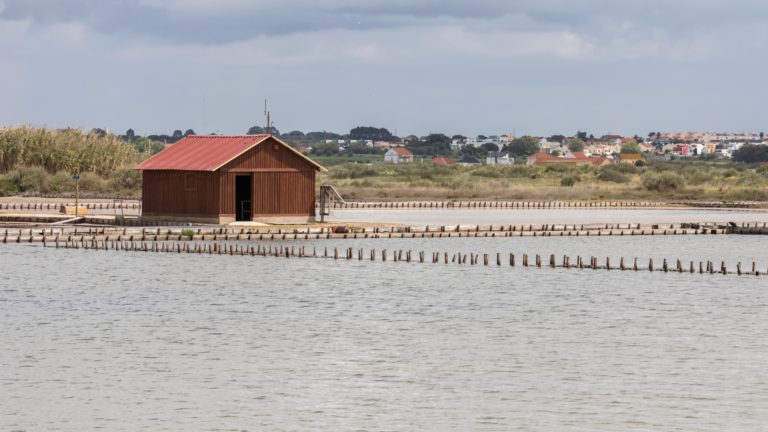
[[127, 341], [545, 216]]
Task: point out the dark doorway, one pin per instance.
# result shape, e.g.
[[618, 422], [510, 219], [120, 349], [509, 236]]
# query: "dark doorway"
[[243, 194]]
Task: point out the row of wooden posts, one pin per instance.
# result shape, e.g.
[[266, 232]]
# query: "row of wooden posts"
[[134, 202], [57, 206], [583, 263], [377, 205], [492, 204], [342, 229], [328, 236]]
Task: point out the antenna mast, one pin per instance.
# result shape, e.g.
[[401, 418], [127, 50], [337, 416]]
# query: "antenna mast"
[[268, 129]]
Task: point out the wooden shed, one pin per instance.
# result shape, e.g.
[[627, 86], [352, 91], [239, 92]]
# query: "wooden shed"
[[222, 179]]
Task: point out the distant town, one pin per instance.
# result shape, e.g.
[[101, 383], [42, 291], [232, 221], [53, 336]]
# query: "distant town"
[[371, 143]]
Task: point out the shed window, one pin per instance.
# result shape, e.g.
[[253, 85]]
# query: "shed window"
[[190, 182]]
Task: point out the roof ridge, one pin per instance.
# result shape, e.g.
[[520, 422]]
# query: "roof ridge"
[[230, 136]]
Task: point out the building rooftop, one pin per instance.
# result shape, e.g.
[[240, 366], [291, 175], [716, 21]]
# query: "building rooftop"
[[208, 153]]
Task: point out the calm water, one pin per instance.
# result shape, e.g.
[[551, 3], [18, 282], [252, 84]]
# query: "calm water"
[[543, 216], [130, 341]]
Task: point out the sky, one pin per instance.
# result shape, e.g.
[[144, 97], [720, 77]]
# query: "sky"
[[536, 67]]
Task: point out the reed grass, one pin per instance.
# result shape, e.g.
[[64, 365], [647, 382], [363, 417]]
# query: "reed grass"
[[523, 182], [69, 150]]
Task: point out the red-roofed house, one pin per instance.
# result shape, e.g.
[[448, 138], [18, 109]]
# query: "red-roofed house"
[[398, 155], [222, 179], [442, 161]]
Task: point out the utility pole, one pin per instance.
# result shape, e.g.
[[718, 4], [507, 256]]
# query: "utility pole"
[[268, 129], [76, 178]]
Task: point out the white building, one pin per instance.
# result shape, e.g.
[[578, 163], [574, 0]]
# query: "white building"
[[398, 155], [498, 158]]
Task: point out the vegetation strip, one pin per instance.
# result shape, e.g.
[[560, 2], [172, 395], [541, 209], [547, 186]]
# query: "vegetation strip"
[[408, 256]]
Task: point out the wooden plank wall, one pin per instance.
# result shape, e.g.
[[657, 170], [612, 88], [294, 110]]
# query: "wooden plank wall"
[[283, 182], [269, 155], [284, 193], [167, 193]]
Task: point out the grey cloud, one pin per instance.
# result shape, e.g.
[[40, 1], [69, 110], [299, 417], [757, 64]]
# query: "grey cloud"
[[131, 17], [220, 25]]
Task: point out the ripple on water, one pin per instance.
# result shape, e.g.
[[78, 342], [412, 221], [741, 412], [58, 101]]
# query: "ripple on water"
[[179, 342]]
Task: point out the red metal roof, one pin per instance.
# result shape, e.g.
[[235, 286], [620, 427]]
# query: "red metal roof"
[[541, 156], [402, 151], [442, 161], [207, 152]]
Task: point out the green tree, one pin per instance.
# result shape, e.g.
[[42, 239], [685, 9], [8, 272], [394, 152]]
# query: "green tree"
[[470, 150], [556, 138], [258, 130], [576, 145], [294, 134], [370, 133], [325, 149], [522, 147], [432, 145], [147, 147], [751, 153], [631, 147], [321, 136]]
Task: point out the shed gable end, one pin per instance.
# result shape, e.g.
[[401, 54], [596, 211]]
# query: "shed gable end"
[[269, 155]]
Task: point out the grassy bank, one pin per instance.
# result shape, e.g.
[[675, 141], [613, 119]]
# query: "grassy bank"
[[123, 181], [42, 160], [661, 181]]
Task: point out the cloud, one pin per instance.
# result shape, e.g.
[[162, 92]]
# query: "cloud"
[[217, 22], [138, 55]]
